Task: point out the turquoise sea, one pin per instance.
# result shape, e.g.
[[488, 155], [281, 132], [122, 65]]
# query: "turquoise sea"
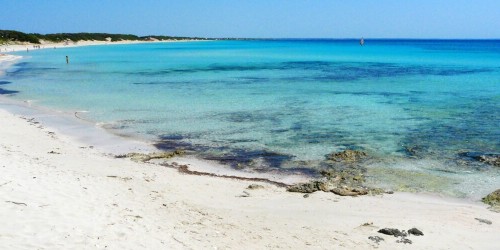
[[422, 109]]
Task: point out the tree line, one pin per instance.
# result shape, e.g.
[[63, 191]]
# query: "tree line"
[[17, 36]]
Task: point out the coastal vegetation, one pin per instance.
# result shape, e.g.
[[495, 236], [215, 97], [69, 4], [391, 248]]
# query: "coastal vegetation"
[[12, 36], [16, 36]]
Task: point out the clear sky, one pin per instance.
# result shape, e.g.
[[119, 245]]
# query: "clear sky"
[[259, 18]]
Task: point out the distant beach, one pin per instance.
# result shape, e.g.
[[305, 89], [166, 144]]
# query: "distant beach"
[[4, 48]]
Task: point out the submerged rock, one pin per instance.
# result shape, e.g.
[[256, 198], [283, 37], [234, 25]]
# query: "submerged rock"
[[346, 156], [493, 199], [415, 231], [490, 159], [351, 176], [415, 150]]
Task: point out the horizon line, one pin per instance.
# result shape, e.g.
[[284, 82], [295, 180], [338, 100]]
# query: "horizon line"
[[270, 38]]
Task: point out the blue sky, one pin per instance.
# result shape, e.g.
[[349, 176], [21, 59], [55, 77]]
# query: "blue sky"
[[259, 18]]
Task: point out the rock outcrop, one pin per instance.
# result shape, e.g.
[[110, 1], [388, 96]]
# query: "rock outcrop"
[[487, 158], [308, 187], [415, 231], [376, 239], [393, 231], [344, 182], [493, 199], [401, 235], [345, 176], [255, 186], [347, 191], [347, 156], [493, 160], [485, 221]]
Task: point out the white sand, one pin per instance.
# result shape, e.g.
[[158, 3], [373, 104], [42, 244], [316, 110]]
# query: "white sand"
[[80, 198], [6, 48]]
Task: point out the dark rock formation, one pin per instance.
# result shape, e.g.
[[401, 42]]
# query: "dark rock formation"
[[484, 221], [393, 231], [244, 195], [490, 159], [346, 156], [344, 182], [415, 231], [308, 187], [350, 176], [402, 234], [376, 239], [255, 186], [416, 151], [333, 180], [404, 240], [346, 191], [493, 199], [378, 191], [142, 157]]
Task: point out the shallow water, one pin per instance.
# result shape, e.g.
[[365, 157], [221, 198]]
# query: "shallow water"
[[414, 106]]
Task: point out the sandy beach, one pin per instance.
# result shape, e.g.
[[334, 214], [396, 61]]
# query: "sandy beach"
[[5, 48], [61, 192]]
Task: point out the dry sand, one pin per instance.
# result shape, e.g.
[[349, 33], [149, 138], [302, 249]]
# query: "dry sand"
[[6, 48], [57, 192]]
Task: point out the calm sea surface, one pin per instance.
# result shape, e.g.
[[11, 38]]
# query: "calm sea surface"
[[420, 109]]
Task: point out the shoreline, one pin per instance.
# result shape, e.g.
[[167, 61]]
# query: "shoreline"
[[6, 62], [114, 144]]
